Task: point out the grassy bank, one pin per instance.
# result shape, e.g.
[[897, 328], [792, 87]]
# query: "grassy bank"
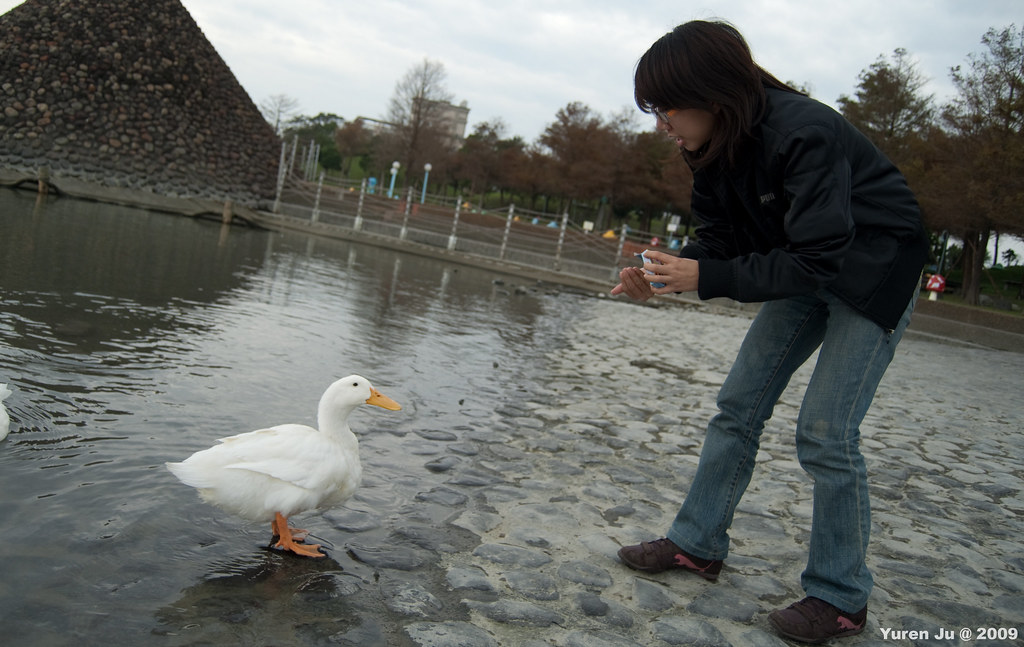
[[1001, 289]]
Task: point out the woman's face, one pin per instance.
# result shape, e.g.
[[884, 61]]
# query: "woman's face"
[[690, 127]]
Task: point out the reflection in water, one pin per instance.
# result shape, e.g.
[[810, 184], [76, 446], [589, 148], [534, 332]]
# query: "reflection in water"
[[132, 338], [262, 603]]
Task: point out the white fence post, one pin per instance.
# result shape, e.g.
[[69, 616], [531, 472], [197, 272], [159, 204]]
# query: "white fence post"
[[280, 178], [405, 216], [583, 256], [452, 240], [316, 203], [358, 224], [561, 241], [508, 226], [618, 254], [291, 162]]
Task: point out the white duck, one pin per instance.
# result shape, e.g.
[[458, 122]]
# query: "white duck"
[[5, 418], [272, 474]]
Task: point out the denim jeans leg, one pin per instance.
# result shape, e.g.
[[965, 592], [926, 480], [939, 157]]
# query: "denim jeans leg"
[[781, 338], [854, 355]]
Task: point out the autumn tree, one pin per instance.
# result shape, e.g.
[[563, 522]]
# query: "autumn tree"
[[479, 159], [626, 176], [986, 136], [659, 180], [353, 141], [889, 106], [647, 174], [580, 146], [529, 171], [512, 156]]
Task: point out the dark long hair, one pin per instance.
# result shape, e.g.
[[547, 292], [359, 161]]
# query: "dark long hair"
[[706, 65]]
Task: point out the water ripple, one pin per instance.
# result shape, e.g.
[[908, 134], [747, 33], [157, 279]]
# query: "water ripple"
[[117, 367]]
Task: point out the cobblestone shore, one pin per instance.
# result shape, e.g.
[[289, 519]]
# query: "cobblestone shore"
[[601, 452]]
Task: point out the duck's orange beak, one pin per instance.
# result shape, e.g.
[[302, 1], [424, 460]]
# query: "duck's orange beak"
[[378, 399]]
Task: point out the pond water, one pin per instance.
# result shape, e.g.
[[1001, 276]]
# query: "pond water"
[[132, 338]]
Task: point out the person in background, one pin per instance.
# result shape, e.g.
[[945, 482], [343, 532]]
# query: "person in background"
[[798, 210]]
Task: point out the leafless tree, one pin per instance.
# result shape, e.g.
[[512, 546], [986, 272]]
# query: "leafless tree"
[[277, 109], [415, 111]]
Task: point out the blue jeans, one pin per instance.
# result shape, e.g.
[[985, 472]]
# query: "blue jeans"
[[854, 355]]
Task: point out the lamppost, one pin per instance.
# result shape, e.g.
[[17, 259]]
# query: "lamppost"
[[394, 172], [426, 176]]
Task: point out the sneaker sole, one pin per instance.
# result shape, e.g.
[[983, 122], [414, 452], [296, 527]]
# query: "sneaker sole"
[[811, 641]]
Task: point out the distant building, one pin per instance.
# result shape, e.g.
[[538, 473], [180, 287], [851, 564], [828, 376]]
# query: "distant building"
[[449, 119], [453, 120]]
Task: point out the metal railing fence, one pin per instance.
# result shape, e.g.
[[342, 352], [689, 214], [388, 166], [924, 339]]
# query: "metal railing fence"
[[512, 235]]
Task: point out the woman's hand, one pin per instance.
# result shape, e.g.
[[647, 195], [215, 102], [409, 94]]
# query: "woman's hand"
[[632, 281], [678, 275]]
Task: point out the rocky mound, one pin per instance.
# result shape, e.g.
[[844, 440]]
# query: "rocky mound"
[[128, 93]]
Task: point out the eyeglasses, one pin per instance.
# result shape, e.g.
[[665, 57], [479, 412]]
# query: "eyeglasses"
[[663, 115]]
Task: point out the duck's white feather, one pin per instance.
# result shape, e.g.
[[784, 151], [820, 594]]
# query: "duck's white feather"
[[289, 468]]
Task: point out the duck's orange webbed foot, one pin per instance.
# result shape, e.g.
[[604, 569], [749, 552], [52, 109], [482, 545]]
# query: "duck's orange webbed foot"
[[284, 523], [284, 539]]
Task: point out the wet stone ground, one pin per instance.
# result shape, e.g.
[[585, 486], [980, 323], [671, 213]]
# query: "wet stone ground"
[[513, 540], [600, 452]]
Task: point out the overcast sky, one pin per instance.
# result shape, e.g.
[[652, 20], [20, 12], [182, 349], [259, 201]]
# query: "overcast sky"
[[523, 60]]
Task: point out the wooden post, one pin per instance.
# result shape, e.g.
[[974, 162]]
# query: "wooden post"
[[227, 214], [44, 179]]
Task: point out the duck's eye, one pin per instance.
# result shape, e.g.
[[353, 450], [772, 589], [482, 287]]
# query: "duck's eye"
[[355, 384]]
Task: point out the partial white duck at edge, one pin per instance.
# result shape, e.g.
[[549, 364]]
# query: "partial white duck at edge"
[[5, 418]]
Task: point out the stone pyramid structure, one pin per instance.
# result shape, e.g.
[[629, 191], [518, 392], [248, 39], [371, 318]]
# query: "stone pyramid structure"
[[129, 93]]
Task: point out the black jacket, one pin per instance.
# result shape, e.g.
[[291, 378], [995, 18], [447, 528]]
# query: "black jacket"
[[811, 203]]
